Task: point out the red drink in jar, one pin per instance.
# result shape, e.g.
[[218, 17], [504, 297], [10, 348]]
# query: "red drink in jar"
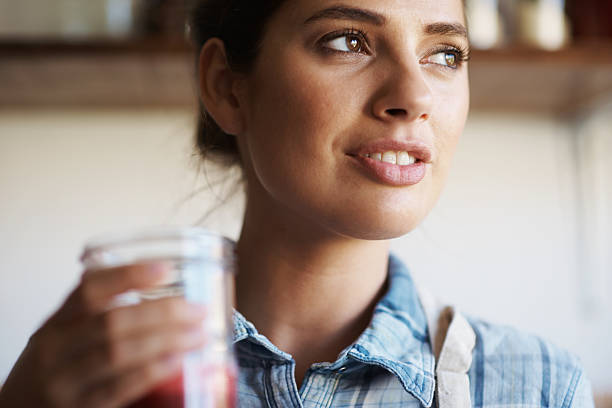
[[202, 266], [217, 389]]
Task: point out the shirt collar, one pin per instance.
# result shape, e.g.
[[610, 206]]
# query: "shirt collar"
[[396, 339]]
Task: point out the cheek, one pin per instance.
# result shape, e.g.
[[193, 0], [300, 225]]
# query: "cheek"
[[299, 114], [448, 122], [293, 128]]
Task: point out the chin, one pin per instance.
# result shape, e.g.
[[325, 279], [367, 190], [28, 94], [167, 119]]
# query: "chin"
[[375, 226]]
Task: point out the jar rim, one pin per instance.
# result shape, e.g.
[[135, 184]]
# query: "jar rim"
[[209, 241]]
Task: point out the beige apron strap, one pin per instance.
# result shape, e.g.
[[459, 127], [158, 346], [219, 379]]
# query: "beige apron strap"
[[452, 340]]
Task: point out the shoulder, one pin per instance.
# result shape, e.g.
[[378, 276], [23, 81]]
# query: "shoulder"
[[511, 367]]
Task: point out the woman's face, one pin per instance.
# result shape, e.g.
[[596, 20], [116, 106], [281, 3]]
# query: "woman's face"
[[343, 98]]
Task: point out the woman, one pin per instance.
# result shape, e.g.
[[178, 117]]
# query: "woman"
[[344, 117]]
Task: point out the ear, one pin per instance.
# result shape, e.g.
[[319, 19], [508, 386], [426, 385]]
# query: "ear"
[[217, 85]]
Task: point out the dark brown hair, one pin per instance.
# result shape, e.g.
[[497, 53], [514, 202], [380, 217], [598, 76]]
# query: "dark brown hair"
[[240, 24]]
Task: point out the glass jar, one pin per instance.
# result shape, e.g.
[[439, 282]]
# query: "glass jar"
[[202, 271]]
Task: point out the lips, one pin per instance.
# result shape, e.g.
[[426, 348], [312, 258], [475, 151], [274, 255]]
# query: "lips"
[[376, 161]]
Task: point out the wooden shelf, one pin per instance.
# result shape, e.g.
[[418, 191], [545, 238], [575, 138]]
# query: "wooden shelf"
[[161, 72], [103, 73], [528, 80]]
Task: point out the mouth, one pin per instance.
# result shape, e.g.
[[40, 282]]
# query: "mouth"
[[392, 162]]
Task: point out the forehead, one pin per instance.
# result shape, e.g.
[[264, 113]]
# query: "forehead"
[[393, 11]]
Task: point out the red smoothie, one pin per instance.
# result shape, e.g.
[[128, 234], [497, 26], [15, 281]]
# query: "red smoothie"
[[217, 390]]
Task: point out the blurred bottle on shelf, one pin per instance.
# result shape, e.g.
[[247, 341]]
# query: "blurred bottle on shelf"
[[161, 18], [66, 19], [485, 23], [83, 19], [535, 23], [95, 18], [120, 17], [543, 24]]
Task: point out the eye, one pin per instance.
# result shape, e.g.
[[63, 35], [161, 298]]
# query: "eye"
[[346, 42], [451, 57], [446, 58]]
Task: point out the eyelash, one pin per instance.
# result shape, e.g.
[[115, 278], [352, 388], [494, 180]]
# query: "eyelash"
[[462, 54], [349, 32]]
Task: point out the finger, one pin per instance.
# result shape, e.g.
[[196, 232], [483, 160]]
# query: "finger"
[[99, 287], [130, 320], [133, 384], [110, 359]]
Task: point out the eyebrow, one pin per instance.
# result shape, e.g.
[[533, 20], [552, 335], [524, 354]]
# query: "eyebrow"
[[453, 29], [347, 13], [367, 16]]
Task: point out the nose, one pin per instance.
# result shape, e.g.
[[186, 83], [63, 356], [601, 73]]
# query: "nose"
[[404, 95]]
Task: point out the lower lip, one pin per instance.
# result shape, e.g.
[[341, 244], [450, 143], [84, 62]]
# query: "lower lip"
[[392, 174]]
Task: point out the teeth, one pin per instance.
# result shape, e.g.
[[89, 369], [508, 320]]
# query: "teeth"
[[404, 159], [400, 158], [389, 157]]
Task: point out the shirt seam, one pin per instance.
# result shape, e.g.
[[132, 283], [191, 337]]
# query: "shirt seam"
[[322, 398], [571, 392], [333, 391], [269, 392], [291, 383], [308, 383]]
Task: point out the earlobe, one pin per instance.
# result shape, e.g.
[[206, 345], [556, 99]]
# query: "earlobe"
[[216, 85]]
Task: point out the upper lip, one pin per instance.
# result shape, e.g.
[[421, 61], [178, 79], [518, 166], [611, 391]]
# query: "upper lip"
[[416, 148]]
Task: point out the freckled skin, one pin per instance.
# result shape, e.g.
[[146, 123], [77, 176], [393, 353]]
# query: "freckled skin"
[[305, 109]]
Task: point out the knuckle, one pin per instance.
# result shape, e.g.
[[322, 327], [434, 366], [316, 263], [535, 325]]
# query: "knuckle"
[[86, 295], [110, 323], [103, 395], [175, 309], [95, 361], [133, 274], [175, 343], [46, 345], [112, 390], [114, 354], [150, 372], [56, 392]]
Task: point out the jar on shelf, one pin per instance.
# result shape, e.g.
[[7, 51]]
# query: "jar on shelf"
[[542, 23], [161, 18], [485, 23]]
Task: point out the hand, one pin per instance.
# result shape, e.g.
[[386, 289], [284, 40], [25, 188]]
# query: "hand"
[[88, 356]]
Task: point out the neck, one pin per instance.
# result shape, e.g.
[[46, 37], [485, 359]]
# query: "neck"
[[308, 290]]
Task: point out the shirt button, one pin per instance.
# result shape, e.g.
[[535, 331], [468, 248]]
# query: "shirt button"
[[341, 369]]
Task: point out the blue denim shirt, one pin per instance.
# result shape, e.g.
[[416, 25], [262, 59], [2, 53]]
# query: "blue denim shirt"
[[391, 364]]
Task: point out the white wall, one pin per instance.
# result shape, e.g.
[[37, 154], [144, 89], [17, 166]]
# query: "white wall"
[[506, 230]]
